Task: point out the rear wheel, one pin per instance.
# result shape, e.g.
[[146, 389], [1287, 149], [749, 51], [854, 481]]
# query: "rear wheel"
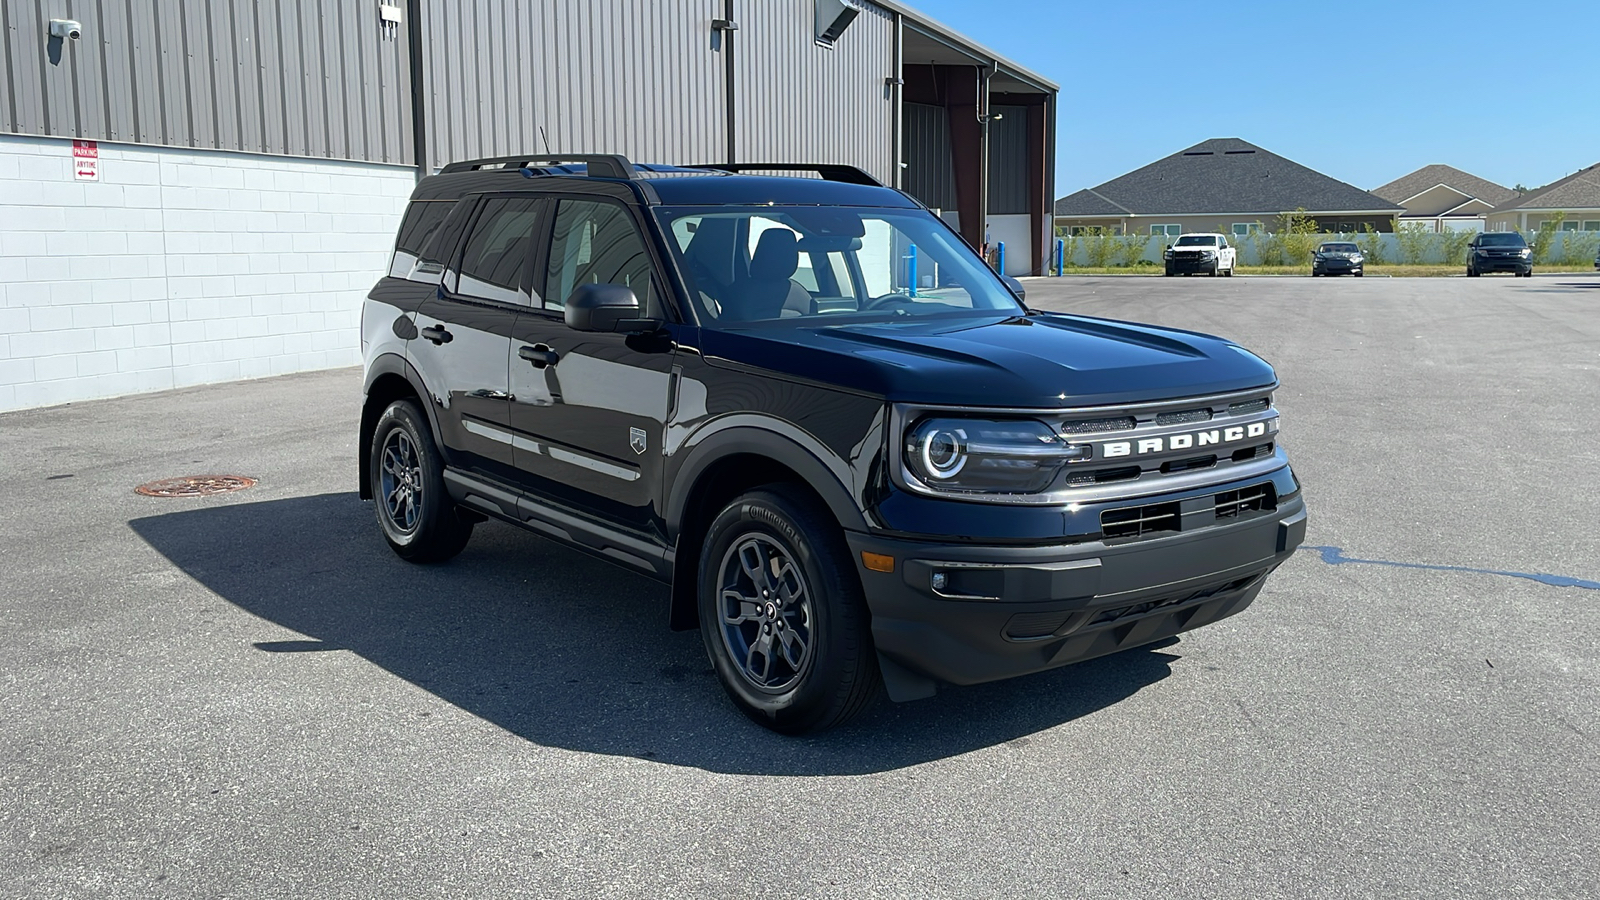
[[782, 615], [416, 514]]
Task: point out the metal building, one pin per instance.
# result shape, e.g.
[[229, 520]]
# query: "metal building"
[[201, 190]]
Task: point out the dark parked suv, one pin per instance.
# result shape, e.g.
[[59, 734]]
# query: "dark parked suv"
[[806, 404], [1499, 251]]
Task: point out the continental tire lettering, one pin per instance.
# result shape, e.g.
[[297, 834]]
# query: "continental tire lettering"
[[776, 521]]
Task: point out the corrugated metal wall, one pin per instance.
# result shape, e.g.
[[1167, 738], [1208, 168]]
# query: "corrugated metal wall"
[[797, 101], [302, 77], [1008, 161], [930, 176], [637, 77]]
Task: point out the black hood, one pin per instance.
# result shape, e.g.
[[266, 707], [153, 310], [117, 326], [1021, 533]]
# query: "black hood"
[[1035, 361]]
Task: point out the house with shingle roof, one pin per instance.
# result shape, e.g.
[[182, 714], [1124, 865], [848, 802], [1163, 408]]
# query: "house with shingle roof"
[[1577, 196], [1445, 198], [1227, 184]]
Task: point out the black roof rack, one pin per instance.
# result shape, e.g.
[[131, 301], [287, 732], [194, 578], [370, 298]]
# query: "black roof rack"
[[828, 171], [600, 165]]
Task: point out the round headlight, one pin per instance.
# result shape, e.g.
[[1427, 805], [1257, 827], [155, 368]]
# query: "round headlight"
[[988, 456], [943, 451]]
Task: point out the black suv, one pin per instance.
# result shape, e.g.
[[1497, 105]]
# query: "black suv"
[[807, 405], [1499, 251]]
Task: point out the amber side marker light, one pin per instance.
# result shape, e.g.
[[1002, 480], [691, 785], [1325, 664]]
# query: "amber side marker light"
[[877, 562]]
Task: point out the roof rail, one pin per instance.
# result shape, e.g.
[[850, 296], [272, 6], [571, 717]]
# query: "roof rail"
[[828, 171], [601, 165]]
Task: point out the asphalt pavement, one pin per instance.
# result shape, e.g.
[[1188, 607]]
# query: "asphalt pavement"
[[248, 695]]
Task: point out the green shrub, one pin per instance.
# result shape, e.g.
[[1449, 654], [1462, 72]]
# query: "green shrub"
[[1298, 233], [1131, 247], [1099, 244], [1371, 243], [1578, 247], [1270, 249], [1454, 246], [1413, 239], [1542, 239]]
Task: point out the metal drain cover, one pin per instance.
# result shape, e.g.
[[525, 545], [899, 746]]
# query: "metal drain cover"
[[195, 486]]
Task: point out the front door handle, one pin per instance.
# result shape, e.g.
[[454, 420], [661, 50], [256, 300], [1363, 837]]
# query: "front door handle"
[[540, 355], [437, 334]]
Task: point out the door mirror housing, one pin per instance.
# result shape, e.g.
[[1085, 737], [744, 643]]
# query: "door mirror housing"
[[607, 308], [1016, 287]]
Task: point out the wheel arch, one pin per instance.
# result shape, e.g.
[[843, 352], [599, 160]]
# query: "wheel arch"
[[720, 469], [389, 378]]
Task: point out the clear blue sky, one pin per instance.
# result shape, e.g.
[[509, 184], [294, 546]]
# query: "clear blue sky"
[[1364, 92]]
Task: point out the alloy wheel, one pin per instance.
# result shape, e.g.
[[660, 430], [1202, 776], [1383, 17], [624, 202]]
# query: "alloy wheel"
[[400, 482], [767, 615]]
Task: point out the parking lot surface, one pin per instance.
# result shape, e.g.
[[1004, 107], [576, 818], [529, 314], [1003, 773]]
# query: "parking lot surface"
[[248, 695]]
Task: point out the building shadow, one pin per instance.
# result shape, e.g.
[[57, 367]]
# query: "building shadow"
[[568, 651]]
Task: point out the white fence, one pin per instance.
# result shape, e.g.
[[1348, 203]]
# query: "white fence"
[[1407, 247]]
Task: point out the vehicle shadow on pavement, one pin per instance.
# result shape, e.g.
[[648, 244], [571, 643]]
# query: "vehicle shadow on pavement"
[[571, 652]]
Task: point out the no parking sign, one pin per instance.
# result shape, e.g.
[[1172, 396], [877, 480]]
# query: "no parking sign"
[[86, 160]]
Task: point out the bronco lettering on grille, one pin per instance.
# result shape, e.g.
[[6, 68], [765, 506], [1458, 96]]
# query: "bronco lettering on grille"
[[1143, 446]]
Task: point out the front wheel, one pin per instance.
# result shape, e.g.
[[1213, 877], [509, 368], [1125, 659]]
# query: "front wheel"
[[418, 518], [782, 615]]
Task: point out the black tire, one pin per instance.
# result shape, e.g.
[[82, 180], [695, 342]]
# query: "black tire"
[[1471, 272], [1168, 273], [774, 571], [1357, 273], [416, 514]]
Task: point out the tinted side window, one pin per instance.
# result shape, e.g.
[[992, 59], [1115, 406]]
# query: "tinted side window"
[[421, 222], [596, 243], [497, 250]]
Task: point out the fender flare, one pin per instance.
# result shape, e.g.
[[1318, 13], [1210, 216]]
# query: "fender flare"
[[752, 439], [382, 365]]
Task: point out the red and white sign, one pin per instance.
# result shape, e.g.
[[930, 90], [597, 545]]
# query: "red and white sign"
[[86, 160]]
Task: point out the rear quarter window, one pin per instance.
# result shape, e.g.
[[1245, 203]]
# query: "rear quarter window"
[[417, 229]]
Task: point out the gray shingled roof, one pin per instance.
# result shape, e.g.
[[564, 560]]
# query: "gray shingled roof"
[[1222, 176], [1580, 190], [1407, 186]]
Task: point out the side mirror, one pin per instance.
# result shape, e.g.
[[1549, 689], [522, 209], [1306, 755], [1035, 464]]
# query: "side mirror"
[[1016, 287], [607, 308]]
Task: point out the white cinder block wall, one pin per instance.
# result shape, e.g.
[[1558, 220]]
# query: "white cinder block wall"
[[182, 267]]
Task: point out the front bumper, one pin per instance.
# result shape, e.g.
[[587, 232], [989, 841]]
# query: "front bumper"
[[1191, 264], [1518, 264], [1011, 610], [1336, 267]]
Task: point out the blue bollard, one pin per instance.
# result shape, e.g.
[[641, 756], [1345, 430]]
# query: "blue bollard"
[[1061, 257], [913, 259], [1000, 258]]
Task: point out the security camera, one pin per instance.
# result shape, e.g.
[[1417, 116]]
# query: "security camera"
[[66, 28]]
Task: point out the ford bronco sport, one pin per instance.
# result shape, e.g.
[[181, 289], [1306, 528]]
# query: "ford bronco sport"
[[857, 457]]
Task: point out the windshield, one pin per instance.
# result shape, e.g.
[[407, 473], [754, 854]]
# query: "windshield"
[[1338, 248], [1501, 239], [802, 264], [1197, 240]]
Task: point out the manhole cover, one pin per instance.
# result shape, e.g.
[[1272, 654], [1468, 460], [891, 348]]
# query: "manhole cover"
[[195, 486]]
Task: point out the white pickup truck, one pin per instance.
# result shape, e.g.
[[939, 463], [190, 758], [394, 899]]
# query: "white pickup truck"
[[1208, 253]]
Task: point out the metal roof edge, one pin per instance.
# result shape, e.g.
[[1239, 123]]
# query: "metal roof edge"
[[939, 30]]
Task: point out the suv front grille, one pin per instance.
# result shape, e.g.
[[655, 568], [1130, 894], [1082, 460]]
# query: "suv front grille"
[[1139, 521], [1159, 518], [1256, 498]]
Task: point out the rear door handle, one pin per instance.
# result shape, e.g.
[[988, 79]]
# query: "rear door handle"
[[540, 355], [437, 334]]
